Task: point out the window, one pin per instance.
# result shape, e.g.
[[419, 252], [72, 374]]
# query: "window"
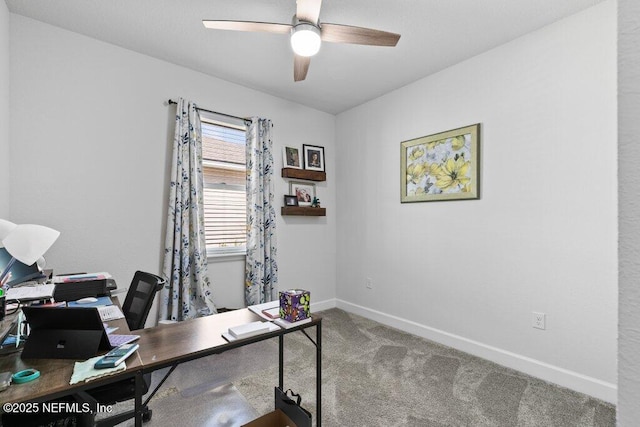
[[225, 196]]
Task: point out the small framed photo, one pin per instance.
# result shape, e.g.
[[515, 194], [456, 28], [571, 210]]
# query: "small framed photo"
[[291, 157], [290, 200], [304, 192], [313, 157]]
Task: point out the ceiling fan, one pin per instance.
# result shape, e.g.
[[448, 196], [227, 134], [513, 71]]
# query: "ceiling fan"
[[307, 33]]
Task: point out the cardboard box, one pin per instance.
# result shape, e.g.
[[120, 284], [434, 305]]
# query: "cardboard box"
[[276, 418], [295, 305]]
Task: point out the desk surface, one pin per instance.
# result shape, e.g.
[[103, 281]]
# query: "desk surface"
[[160, 346], [55, 374], [165, 345]]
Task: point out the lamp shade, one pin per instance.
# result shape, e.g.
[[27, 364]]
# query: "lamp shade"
[[6, 227], [28, 242]]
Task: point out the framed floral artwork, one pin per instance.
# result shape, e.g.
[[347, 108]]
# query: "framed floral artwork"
[[444, 166]]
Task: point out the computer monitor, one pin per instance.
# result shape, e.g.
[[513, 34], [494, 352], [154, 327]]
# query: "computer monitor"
[[19, 272]]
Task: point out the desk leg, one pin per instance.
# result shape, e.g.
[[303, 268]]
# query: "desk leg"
[[319, 374], [281, 362], [138, 399]]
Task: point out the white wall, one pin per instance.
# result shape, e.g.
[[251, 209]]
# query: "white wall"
[[541, 238], [4, 111], [92, 134], [629, 219]]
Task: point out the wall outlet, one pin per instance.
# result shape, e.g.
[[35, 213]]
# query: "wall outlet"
[[368, 283], [539, 320]]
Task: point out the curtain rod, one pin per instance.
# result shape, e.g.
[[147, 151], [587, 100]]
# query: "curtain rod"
[[215, 112]]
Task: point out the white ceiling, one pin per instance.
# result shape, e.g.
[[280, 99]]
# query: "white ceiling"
[[435, 34]]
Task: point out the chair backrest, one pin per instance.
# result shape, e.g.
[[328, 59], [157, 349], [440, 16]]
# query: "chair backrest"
[[140, 297]]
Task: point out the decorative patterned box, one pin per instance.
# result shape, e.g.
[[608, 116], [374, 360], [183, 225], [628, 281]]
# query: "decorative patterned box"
[[294, 305]]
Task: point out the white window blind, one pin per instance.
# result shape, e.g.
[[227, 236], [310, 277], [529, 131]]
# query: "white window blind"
[[225, 198]]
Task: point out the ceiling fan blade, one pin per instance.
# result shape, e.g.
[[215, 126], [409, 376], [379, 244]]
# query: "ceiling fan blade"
[[267, 27], [308, 10], [300, 67], [336, 33]]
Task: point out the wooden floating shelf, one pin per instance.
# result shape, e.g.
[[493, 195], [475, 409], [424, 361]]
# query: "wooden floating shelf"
[[303, 211], [304, 174]]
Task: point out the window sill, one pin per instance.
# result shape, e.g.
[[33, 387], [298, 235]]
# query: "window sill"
[[226, 256]]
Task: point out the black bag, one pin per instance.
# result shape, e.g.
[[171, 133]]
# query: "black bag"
[[292, 408]]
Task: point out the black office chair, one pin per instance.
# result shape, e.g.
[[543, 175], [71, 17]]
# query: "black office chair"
[[135, 309], [140, 298]]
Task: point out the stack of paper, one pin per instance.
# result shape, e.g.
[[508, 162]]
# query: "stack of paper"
[[84, 277], [272, 313], [30, 293]]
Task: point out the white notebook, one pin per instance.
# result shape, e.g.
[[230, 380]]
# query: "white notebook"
[[249, 331], [110, 312], [257, 309]]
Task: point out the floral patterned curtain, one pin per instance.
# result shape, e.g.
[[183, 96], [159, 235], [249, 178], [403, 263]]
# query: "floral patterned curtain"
[[188, 291], [261, 271]]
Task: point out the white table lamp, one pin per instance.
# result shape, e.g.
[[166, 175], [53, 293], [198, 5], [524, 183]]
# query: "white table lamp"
[[27, 243]]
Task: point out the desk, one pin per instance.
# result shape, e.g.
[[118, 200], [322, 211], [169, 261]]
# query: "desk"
[[55, 375], [170, 345], [160, 347]]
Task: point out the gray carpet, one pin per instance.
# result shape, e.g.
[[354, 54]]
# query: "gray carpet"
[[373, 375]]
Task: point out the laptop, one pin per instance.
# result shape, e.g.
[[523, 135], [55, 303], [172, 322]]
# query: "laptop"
[[19, 272], [64, 333]]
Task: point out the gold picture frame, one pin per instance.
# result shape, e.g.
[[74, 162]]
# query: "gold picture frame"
[[442, 166]]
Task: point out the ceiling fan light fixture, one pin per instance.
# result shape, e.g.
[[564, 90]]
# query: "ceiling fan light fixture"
[[305, 39]]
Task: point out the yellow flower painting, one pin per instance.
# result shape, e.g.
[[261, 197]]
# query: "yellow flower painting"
[[443, 166], [453, 174]]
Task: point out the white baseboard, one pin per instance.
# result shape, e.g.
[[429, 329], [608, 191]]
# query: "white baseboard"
[[323, 305], [560, 376]]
